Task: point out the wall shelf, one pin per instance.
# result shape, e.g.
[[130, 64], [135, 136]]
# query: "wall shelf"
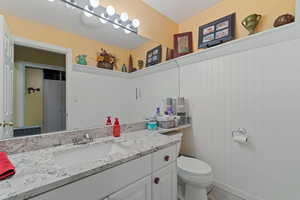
[[100, 71], [258, 40]]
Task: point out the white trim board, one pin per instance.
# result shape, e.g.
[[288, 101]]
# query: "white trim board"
[[48, 47], [266, 38]]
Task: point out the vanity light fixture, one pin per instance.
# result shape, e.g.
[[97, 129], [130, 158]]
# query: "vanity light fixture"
[[89, 9], [126, 30], [115, 25], [104, 14], [124, 17], [136, 23], [94, 3], [51, 0], [110, 10], [102, 20]]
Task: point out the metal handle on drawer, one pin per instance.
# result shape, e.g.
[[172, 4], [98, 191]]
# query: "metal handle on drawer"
[[167, 158], [156, 180]]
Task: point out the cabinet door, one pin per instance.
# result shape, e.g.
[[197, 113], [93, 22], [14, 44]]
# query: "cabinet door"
[[164, 183], [140, 190]]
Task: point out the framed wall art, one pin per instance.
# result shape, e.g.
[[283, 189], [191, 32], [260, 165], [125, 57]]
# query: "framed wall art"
[[154, 56], [183, 44], [217, 32]]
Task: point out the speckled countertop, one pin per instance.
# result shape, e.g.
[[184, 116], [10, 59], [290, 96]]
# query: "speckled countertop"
[[38, 171]]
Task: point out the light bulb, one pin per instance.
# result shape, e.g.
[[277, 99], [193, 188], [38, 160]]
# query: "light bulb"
[[127, 31], [87, 13], [135, 23], [94, 3], [110, 10], [51, 0], [115, 25], [124, 16], [103, 21]]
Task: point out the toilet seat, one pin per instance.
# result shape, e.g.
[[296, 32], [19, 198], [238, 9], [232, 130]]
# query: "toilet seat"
[[193, 166]]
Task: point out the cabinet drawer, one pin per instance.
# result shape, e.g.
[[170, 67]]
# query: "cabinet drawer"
[[164, 157], [101, 185]]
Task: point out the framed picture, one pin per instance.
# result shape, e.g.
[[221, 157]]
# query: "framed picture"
[[154, 56], [217, 32], [183, 44]]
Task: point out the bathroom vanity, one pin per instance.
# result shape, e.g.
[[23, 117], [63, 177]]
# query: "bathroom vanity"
[[139, 165], [150, 177]]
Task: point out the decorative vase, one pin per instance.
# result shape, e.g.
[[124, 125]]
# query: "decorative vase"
[[284, 19], [81, 59], [130, 64], [250, 23]]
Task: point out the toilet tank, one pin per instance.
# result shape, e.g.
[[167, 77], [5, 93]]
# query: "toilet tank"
[[177, 135]]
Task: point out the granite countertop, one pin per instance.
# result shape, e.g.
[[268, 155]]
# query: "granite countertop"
[[38, 171]]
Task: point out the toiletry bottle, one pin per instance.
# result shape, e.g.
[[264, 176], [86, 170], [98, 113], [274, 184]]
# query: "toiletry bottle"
[[117, 128], [157, 114], [108, 121]]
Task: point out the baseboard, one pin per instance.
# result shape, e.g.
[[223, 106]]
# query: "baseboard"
[[226, 192]]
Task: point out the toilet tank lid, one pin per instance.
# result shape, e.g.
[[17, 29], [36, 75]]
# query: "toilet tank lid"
[[193, 165]]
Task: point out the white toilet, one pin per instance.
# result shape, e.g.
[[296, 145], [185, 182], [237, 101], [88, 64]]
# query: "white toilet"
[[196, 175]]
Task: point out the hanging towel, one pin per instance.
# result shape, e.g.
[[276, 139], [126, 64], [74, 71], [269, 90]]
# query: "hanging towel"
[[6, 167]]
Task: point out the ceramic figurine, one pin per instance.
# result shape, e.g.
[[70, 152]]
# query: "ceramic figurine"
[[284, 19], [124, 68], [81, 59], [140, 64], [250, 23]]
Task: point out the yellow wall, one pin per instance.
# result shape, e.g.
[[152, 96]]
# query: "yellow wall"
[[270, 9], [38, 56], [34, 101]]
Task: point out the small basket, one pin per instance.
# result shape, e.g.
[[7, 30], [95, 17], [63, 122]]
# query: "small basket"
[[167, 124], [105, 65]]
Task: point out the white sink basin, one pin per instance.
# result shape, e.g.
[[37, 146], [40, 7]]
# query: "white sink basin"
[[88, 153]]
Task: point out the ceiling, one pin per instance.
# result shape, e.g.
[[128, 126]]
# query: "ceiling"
[[56, 14], [180, 10]]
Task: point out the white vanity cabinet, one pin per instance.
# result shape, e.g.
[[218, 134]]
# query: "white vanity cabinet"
[[151, 177], [141, 190], [165, 183]]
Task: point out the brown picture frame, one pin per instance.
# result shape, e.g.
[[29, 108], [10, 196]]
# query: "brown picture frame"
[[186, 46], [154, 56], [217, 32]]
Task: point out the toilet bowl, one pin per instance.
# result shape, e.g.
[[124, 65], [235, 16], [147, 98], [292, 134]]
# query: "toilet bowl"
[[195, 175]]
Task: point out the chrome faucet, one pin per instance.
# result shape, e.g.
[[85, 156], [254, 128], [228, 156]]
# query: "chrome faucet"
[[82, 140]]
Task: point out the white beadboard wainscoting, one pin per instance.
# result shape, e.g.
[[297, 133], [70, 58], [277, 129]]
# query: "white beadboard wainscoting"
[[259, 90], [256, 87]]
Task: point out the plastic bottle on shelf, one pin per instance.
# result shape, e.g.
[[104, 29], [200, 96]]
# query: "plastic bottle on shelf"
[[117, 128]]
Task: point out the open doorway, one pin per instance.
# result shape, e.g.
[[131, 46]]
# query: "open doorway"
[[39, 91]]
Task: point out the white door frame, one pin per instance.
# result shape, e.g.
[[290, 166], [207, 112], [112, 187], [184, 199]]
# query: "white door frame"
[[57, 49], [21, 85]]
